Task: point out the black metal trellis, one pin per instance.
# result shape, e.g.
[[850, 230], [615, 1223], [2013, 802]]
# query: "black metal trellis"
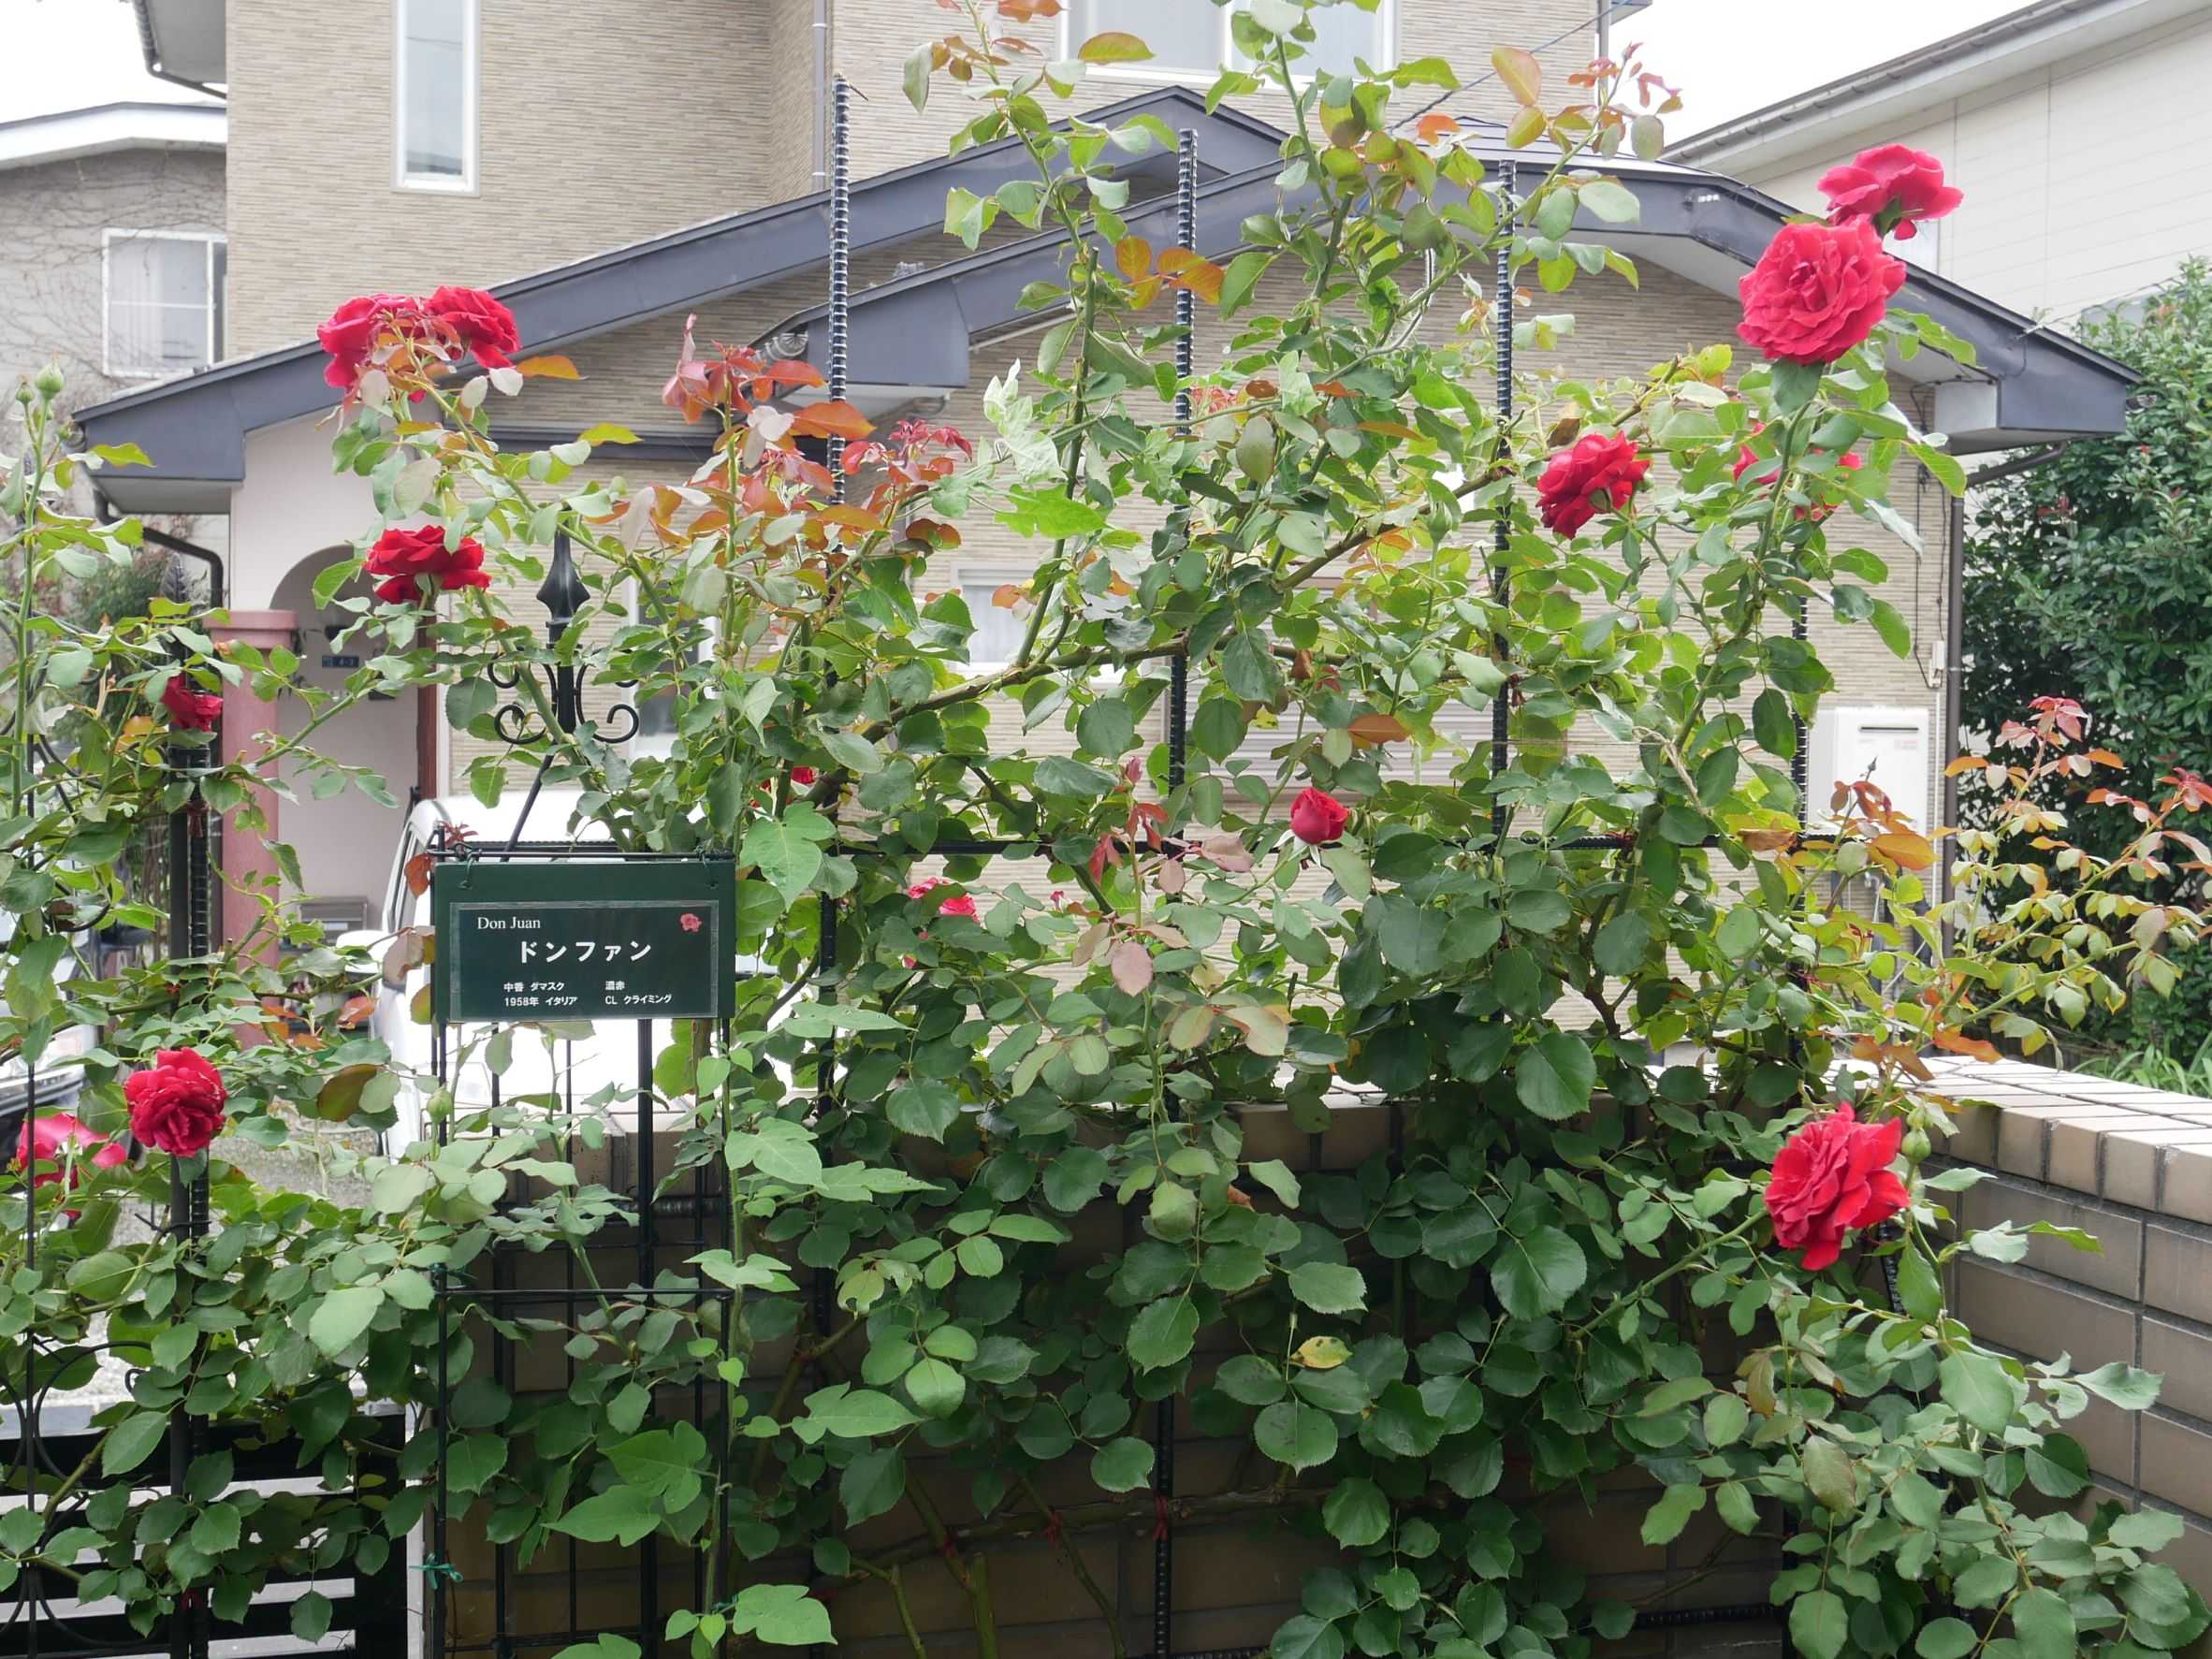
[[563, 595], [48, 1443], [666, 1227]]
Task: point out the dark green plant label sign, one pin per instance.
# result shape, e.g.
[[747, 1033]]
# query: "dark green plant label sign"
[[584, 940]]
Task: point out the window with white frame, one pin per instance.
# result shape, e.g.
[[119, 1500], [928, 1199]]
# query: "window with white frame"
[[164, 301], [434, 96], [1191, 39], [999, 630]]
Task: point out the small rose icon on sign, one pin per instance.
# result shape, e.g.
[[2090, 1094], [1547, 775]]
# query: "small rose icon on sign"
[[691, 923]]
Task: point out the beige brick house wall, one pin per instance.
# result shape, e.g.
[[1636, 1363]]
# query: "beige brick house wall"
[[600, 123], [607, 121]]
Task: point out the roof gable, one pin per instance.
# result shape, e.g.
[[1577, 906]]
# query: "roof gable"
[[2027, 385], [194, 426]]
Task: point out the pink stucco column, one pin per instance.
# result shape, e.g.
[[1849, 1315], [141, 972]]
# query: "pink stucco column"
[[247, 721]]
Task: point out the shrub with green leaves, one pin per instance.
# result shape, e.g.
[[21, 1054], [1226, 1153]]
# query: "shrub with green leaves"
[[1026, 1122]]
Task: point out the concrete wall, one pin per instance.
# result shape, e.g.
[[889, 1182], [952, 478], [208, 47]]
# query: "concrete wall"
[[2061, 213]]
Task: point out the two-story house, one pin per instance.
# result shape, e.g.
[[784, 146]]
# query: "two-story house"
[[112, 265], [656, 161], [2036, 115]]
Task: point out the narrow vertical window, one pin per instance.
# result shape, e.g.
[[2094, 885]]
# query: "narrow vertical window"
[[435, 87]]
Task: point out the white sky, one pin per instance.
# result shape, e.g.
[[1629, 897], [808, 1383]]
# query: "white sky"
[[1728, 56], [66, 54]]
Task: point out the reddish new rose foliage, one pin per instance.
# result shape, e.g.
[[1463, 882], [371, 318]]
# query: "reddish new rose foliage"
[[177, 1104], [402, 557], [1893, 186], [1599, 471], [191, 709], [1830, 1178], [480, 322], [1318, 817], [49, 1139], [1818, 291]]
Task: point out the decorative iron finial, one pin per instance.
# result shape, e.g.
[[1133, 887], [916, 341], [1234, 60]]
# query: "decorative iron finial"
[[562, 593]]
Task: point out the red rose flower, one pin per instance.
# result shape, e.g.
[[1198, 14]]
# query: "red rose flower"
[[1894, 186], [48, 1139], [351, 333], [1818, 291], [1317, 817], [1831, 1177], [479, 322], [801, 776], [1597, 472], [178, 1104], [190, 708], [960, 904], [402, 557]]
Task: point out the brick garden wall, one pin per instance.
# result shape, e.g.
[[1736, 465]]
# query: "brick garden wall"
[[2134, 1167]]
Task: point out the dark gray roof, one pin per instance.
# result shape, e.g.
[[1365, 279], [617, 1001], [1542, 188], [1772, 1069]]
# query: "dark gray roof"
[[920, 330], [194, 426]]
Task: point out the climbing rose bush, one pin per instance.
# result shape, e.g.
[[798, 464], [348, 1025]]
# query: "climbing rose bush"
[[1010, 1139]]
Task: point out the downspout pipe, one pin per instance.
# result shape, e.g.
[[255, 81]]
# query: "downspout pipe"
[[210, 561], [1954, 628], [821, 146]]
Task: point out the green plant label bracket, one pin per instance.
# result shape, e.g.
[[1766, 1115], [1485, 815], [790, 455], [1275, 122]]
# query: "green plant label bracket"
[[584, 940]]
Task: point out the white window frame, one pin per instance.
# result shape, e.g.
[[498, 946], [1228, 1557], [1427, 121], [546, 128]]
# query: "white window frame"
[[966, 575], [1385, 18], [209, 241], [437, 184]]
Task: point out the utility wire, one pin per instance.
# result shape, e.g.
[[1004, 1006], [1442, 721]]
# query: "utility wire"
[[1589, 22]]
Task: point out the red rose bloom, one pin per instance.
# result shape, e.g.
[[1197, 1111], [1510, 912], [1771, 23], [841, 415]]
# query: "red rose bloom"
[[1317, 817], [48, 1139], [1598, 472], [1831, 1177], [1818, 291], [178, 1104], [400, 557], [480, 323], [351, 332], [1893, 186], [190, 708], [801, 776], [960, 904]]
